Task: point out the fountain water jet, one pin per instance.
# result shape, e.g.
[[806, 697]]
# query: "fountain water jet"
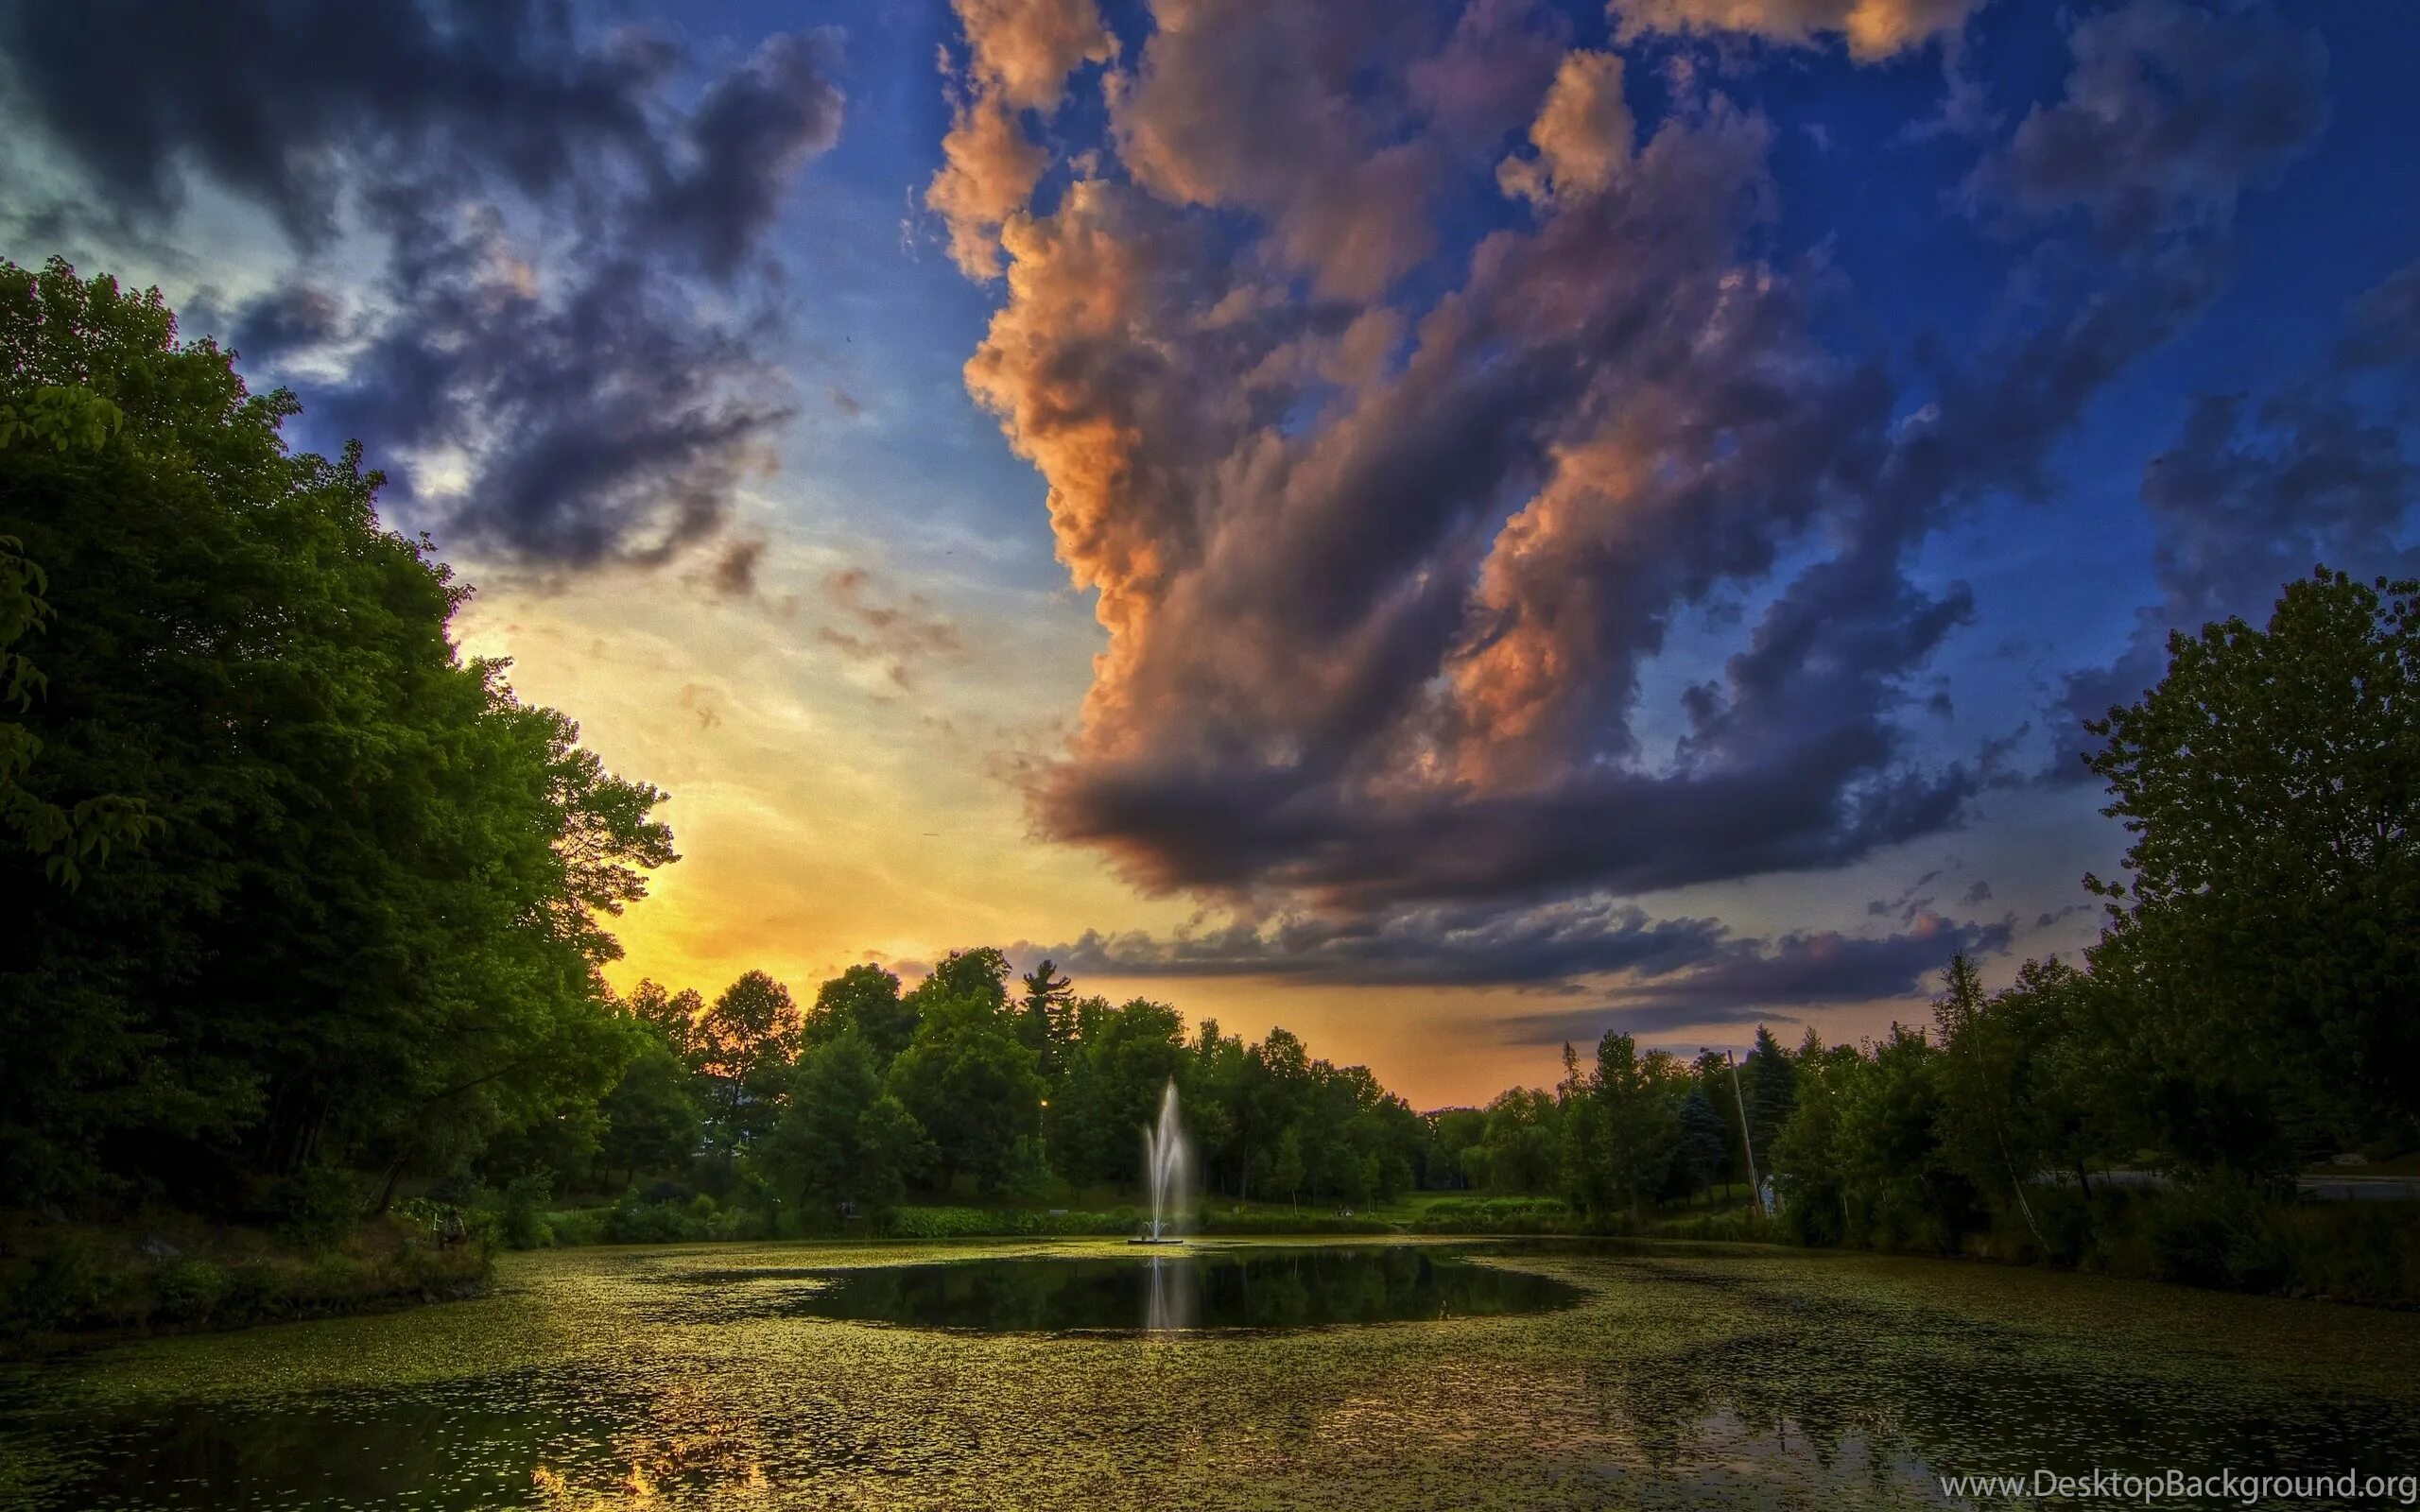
[[1167, 1167]]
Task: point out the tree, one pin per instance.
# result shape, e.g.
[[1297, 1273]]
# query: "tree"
[[366, 928], [1902, 1192], [1522, 1152], [672, 1015], [1047, 1023], [1979, 1075], [1456, 1133], [841, 1138], [2265, 943], [744, 1045], [1130, 1054], [981, 972], [1772, 1088], [863, 999], [650, 1122], [1699, 1156], [66, 838], [1635, 1097], [970, 1083], [2030, 1084], [1027, 1177]]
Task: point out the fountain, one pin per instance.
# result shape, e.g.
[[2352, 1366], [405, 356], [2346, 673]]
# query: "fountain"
[[1166, 1166]]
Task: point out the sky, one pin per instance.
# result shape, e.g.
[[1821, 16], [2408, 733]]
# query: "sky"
[[1448, 525]]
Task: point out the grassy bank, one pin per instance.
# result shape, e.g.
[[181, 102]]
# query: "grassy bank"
[[173, 1273], [636, 1220]]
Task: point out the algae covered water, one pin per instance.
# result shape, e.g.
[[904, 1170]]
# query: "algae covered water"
[[1671, 1376]]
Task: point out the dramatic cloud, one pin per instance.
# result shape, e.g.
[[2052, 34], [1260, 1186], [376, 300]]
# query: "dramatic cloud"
[[750, 135], [1265, 109], [1382, 581], [536, 371], [2171, 113], [1466, 946], [1018, 56], [1692, 969], [1747, 981], [1584, 134], [1692, 966], [597, 421], [1873, 28]]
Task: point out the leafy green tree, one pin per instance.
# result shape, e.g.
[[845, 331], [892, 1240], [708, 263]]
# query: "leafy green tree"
[[744, 1045], [1456, 1133], [650, 1120], [1028, 1177], [1637, 1098], [971, 1083], [863, 999], [1903, 1192], [2265, 944], [841, 1138], [1809, 1160], [365, 929], [1130, 1054], [672, 1015], [1585, 1157], [1273, 1101], [981, 972], [1523, 1151], [64, 836], [1285, 1170]]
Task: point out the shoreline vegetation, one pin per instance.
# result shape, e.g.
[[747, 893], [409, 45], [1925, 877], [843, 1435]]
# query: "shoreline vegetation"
[[304, 994]]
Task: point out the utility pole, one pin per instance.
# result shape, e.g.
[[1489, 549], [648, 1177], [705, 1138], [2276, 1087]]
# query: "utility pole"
[[1755, 1196]]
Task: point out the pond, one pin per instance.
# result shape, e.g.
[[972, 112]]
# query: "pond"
[[1250, 1288], [803, 1376]]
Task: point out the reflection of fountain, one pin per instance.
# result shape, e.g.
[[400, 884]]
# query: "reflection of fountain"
[[1171, 1304], [1167, 1167]]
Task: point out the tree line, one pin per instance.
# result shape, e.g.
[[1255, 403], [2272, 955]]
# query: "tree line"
[[975, 1082]]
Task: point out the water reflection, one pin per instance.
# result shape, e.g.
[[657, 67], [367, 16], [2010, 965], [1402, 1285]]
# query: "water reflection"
[[1171, 1297], [1200, 1290]]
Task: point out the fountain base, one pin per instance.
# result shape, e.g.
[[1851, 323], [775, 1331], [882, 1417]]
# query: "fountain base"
[[1140, 1240]]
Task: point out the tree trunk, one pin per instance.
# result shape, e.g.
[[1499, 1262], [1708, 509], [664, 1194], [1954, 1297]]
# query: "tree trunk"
[[387, 1192]]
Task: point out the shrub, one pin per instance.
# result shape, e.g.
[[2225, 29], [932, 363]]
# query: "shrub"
[[2356, 1252], [635, 1221], [577, 1226], [2217, 1231], [1268, 1221], [316, 1207], [1496, 1215], [186, 1290], [523, 1227]]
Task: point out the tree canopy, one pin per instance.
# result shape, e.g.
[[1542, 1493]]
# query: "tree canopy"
[[359, 892]]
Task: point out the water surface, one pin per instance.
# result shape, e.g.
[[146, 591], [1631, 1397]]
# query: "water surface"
[[1154, 1289], [1674, 1377]]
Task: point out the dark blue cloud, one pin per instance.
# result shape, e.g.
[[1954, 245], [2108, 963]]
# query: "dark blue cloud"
[[544, 202]]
